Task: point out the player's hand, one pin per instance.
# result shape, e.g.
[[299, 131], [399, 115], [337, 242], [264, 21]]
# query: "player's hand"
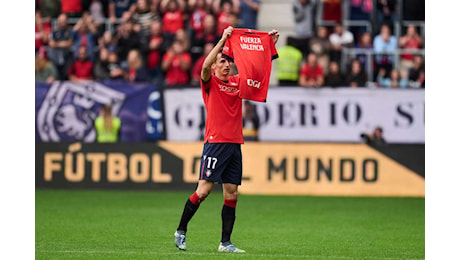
[[275, 35], [227, 32]]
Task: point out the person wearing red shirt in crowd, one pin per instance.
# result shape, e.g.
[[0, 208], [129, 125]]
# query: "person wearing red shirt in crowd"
[[221, 160], [196, 70], [311, 73], [332, 10], [135, 71], [410, 41], [200, 39], [156, 49], [176, 64], [42, 31], [82, 68], [198, 10], [173, 17], [223, 9], [73, 8]]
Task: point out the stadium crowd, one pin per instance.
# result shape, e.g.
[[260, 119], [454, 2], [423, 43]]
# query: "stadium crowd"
[[165, 41]]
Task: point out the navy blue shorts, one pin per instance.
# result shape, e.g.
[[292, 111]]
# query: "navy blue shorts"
[[221, 163]]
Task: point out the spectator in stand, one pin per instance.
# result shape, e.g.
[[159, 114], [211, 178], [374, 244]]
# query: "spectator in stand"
[[61, 42], [42, 31], [356, 77], [96, 10], [82, 68], [251, 122], [197, 9], [311, 73], [365, 43], [249, 10], [50, 8], [84, 34], [116, 72], [107, 41], [410, 41], [209, 35], [393, 81], [334, 78], [173, 18], [135, 71], [176, 64], [118, 7], [128, 39], [385, 45], [45, 71], [196, 69], [143, 18], [360, 10], [222, 10], [156, 50], [182, 36], [321, 46], [332, 10], [101, 66], [288, 64], [385, 12], [339, 39], [72, 8], [303, 24], [417, 73]]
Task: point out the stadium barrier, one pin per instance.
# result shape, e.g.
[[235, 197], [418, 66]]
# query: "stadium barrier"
[[320, 169]]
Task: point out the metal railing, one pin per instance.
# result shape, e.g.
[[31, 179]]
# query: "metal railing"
[[370, 56]]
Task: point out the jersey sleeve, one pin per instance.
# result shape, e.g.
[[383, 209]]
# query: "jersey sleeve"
[[227, 51]]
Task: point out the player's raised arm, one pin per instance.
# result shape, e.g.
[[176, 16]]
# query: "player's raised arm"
[[212, 56]]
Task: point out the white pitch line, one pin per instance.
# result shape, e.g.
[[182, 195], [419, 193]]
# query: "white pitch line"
[[209, 254]]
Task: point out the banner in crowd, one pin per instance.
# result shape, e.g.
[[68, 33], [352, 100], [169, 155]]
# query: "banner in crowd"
[[322, 169], [65, 111], [312, 115]]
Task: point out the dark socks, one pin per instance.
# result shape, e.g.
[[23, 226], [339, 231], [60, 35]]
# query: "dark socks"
[[191, 206], [228, 219]]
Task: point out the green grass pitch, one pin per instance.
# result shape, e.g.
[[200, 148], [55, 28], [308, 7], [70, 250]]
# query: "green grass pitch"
[[140, 225]]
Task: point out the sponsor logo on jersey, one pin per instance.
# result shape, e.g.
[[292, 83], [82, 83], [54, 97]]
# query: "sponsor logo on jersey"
[[253, 83], [227, 89]]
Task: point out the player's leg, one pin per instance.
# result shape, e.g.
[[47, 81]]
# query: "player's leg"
[[231, 179], [213, 162], [191, 206]]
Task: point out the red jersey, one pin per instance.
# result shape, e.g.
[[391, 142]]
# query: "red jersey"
[[71, 6], [175, 74], [411, 44], [172, 21], [38, 35], [81, 69], [154, 56], [253, 52], [310, 72], [224, 120]]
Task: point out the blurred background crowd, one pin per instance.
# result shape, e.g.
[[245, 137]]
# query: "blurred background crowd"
[[333, 43]]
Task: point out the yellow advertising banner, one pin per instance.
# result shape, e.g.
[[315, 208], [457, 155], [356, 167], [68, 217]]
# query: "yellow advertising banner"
[[320, 169]]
